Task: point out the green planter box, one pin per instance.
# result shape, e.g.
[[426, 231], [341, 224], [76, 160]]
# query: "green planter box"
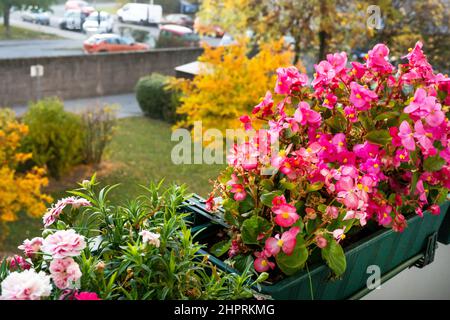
[[392, 252]]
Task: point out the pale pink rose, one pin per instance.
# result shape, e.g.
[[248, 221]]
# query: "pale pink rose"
[[26, 285], [30, 247], [150, 238], [63, 243], [65, 272]]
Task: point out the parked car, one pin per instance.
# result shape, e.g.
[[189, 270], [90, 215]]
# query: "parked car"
[[36, 15], [202, 27], [180, 19], [83, 6], [172, 35], [99, 22], [73, 20], [109, 42], [140, 13]]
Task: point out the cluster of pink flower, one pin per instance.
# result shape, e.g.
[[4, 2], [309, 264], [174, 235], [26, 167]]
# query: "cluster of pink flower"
[[54, 212], [370, 140], [58, 250]]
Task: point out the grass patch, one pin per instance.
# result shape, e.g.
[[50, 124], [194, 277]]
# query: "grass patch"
[[139, 153], [25, 34]]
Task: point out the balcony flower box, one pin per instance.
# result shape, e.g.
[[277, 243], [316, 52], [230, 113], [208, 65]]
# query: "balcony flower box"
[[391, 251]]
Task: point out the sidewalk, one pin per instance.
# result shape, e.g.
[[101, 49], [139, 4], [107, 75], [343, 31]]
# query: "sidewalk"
[[128, 106]]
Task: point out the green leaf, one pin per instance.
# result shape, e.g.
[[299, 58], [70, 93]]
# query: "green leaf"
[[366, 122], [246, 205], [387, 115], [220, 248], [296, 261], [434, 163], [337, 122], [314, 187], [252, 228], [381, 137], [230, 218], [267, 184], [334, 256], [266, 198]]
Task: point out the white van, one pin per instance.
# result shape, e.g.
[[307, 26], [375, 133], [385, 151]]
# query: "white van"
[[140, 13]]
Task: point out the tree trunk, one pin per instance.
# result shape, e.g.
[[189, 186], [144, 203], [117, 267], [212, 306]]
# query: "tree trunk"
[[323, 45], [6, 15]]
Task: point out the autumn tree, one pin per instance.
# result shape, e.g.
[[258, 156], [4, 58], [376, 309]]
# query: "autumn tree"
[[7, 5], [230, 83]]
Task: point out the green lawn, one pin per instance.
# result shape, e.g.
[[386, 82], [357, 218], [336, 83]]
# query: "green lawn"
[[139, 153], [25, 34]]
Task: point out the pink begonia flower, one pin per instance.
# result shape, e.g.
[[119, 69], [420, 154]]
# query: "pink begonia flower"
[[396, 141], [54, 212], [416, 56], [419, 212], [338, 61], [339, 235], [367, 183], [30, 247], [289, 79], [359, 215], [358, 69], [361, 97], [65, 273], [344, 184], [436, 116], [234, 249], [435, 209], [332, 212], [63, 243], [423, 136], [286, 242], [26, 285], [351, 113], [349, 198], [399, 223], [150, 238], [366, 150], [324, 73], [17, 262], [265, 105], [384, 215], [329, 101], [304, 115], [339, 141], [421, 105], [406, 136], [239, 192], [401, 155], [86, 296], [245, 155], [278, 200], [247, 122], [286, 215], [261, 263], [210, 204], [321, 242], [420, 190], [377, 59]]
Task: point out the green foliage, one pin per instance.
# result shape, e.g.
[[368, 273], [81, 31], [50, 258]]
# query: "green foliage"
[[334, 256], [155, 98], [119, 264], [252, 228], [55, 136], [291, 264]]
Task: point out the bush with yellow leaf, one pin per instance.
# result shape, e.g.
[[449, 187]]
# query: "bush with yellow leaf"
[[20, 189], [230, 83]]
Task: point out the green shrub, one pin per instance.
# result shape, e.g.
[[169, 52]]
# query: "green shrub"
[[55, 136], [156, 99], [98, 123]]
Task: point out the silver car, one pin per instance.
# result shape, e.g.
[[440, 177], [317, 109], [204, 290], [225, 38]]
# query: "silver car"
[[99, 22], [36, 15]]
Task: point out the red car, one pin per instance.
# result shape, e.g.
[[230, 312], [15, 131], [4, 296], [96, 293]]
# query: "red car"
[[83, 6], [112, 43]]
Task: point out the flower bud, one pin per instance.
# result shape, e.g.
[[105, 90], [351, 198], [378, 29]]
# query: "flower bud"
[[321, 242]]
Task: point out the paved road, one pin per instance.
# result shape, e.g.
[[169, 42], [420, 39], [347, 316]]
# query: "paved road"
[[72, 41], [126, 103]]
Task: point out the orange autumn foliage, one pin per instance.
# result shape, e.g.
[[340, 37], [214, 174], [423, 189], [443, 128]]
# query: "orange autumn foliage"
[[18, 190]]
